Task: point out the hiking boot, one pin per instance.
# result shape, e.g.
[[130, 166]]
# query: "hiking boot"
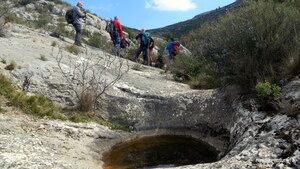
[[78, 44]]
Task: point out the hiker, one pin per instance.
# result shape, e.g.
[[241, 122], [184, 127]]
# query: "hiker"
[[77, 15], [144, 38], [124, 44], [116, 36], [170, 48], [151, 46]]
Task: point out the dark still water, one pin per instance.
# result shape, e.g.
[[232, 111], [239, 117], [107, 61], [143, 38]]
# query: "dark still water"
[[159, 151]]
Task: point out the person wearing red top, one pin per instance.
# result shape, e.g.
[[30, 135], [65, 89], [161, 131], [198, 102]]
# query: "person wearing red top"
[[117, 36], [118, 26]]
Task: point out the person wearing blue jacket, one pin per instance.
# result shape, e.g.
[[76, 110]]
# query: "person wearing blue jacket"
[[170, 48], [78, 15]]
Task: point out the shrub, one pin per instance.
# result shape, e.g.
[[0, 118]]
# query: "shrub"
[[87, 101], [203, 81], [61, 29], [88, 34], [14, 19], [11, 66], [131, 52], [266, 89], [137, 67], [6, 87], [3, 61], [25, 2], [73, 49], [42, 21], [43, 57], [99, 41], [37, 105], [293, 63], [65, 4], [54, 43], [250, 44], [96, 40], [42, 107]]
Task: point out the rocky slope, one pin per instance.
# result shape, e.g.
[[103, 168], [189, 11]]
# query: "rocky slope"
[[146, 99]]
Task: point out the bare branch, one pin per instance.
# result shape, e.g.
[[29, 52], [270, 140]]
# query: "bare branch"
[[90, 74]]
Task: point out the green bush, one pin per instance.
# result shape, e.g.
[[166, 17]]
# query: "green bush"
[[14, 19], [43, 57], [61, 29], [53, 43], [86, 33], [37, 105], [293, 63], [250, 44], [25, 2], [65, 4], [132, 52], [73, 49], [6, 87], [96, 40], [99, 41], [11, 66], [265, 90], [42, 107], [42, 21]]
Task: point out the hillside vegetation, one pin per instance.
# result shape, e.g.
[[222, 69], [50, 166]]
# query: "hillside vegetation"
[[182, 28], [257, 42]]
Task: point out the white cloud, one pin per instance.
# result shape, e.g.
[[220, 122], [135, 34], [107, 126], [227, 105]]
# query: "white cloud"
[[171, 5]]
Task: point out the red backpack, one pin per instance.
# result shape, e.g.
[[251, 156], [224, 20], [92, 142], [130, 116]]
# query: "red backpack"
[[176, 45]]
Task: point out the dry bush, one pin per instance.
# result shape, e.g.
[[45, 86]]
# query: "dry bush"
[[86, 102], [90, 75], [137, 67], [73, 49]]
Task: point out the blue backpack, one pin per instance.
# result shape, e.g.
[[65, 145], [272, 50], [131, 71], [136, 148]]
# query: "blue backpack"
[[146, 38]]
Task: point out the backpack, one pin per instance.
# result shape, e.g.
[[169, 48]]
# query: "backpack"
[[69, 16], [176, 45], [124, 44], [146, 38], [110, 27]]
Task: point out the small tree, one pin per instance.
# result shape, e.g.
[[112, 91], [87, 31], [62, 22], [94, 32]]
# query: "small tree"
[[86, 75]]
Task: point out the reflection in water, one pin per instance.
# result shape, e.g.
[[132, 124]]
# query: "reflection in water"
[[159, 151]]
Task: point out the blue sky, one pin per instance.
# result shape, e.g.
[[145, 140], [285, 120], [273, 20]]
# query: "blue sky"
[[150, 14]]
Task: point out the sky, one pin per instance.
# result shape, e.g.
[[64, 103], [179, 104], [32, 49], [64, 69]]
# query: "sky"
[[150, 14]]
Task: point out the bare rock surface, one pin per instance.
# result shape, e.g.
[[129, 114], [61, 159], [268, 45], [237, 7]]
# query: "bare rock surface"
[[28, 142]]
